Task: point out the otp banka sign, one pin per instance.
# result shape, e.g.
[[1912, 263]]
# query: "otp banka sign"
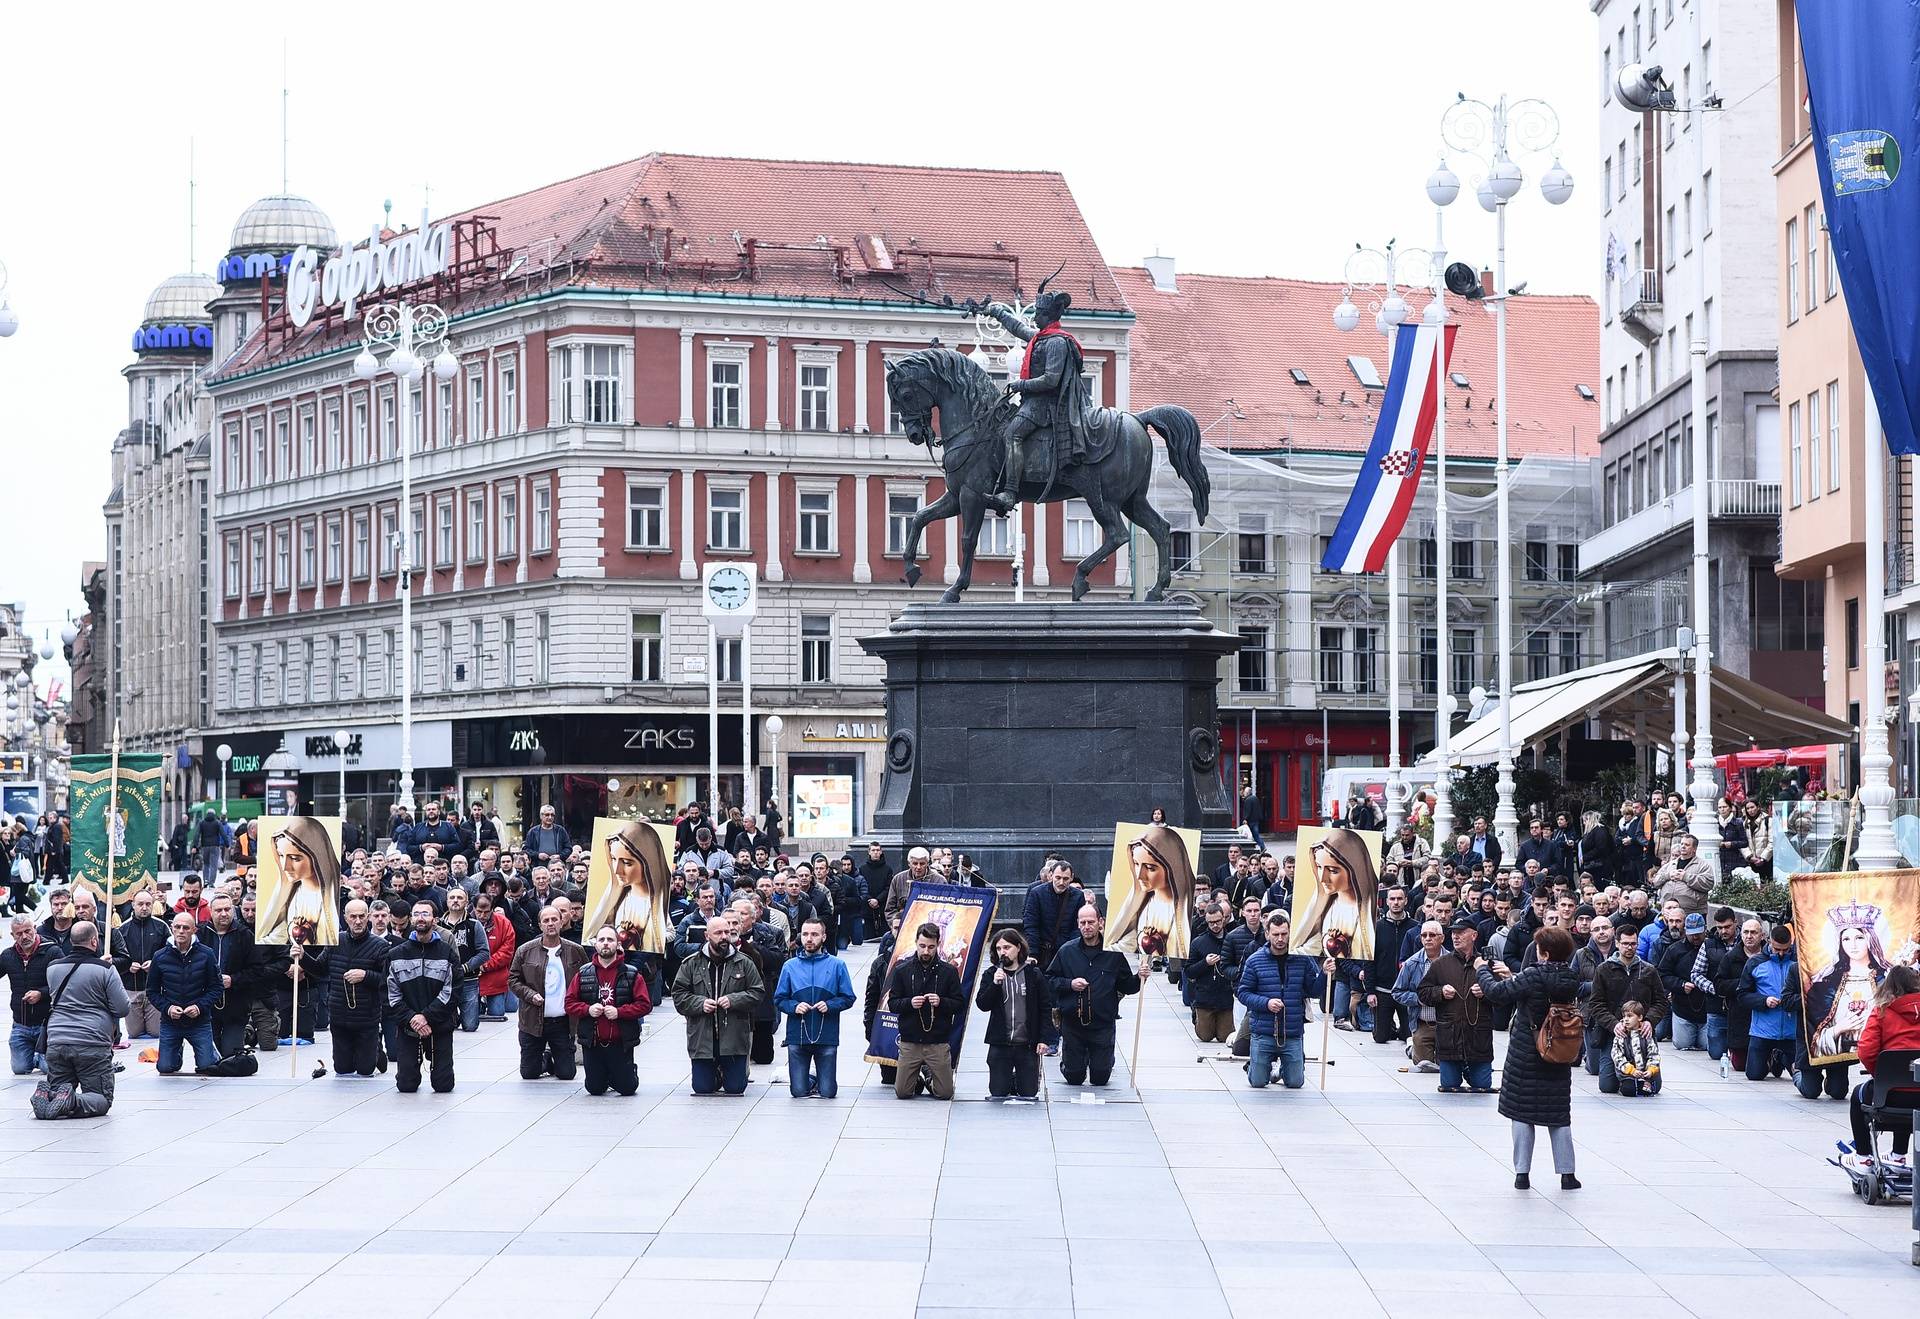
[[173, 339], [354, 273]]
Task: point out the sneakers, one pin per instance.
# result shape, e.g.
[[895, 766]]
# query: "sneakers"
[[1428, 1065], [1897, 1161], [51, 1102], [1857, 1162]]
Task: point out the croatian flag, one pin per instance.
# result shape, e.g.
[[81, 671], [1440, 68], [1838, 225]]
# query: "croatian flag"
[[1383, 491]]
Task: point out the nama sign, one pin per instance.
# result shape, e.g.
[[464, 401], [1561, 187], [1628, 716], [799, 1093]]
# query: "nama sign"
[[353, 273], [173, 339], [236, 266]]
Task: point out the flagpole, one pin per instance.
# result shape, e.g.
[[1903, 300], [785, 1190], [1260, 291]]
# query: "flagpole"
[[113, 821]]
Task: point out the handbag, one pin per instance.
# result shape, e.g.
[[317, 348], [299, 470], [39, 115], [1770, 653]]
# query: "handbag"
[[1561, 1038]]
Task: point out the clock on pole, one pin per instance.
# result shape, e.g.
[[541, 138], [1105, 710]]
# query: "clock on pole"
[[729, 593]]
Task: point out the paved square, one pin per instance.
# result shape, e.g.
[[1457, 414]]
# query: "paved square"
[[1196, 1197]]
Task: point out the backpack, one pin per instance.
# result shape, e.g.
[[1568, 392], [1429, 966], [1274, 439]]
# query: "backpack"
[[1561, 1038]]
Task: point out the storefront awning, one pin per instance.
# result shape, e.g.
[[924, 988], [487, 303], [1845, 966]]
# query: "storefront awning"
[[1638, 693]]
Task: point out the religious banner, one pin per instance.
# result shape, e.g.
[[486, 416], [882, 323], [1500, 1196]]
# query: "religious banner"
[[133, 837], [1849, 929], [299, 896], [1150, 889], [628, 883], [964, 917], [1336, 892]]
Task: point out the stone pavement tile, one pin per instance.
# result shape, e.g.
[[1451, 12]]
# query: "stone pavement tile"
[[647, 1271], [412, 1241], [883, 1283], [1346, 1297], [894, 1248], [291, 1262], [75, 1295], [336, 1240], [1739, 1298], [323, 1297], [87, 1259], [1131, 1294], [231, 1296], [559, 1293], [1024, 1284], [1421, 1305], [577, 1243], [1443, 1274], [13, 1261], [1847, 1263], [1568, 1259], [1542, 1278], [704, 1244]]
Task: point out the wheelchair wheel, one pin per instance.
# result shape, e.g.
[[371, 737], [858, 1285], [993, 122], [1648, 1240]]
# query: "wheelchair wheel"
[[1870, 1186]]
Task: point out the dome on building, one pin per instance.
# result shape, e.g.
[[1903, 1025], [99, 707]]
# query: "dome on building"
[[182, 299], [281, 224]]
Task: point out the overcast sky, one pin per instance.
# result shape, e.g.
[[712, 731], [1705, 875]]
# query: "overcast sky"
[[1256, 145]]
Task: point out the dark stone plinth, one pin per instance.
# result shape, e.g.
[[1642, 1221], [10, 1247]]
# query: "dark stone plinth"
[[1016, 730]]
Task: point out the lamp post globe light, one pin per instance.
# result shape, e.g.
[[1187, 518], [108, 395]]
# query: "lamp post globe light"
[[1386, 271], [1490, 135], [224, 753], [1642, 89], [407, 331]]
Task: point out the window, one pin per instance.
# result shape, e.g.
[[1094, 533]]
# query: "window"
[[1080, 535], [727, 391], [648, 648], [1426, 558], [816, 522], [1333, 658], [231, 556], [1853, 633], [1536, 561], [336, 440], [389, 541], [1686, 220], [599, 389], [507, 546], [1365, 677], [282, 448], [542, 518], [1814, 466], [1833, 435], [1253, 661], [1639, 153], [816, 392], [510, 651], [1567, 567], [1606, 186], [816, 648], [1429, 677], [282, 558], [253, 676], [258, 473], [1833, 269], [726, 519], [417, 550], [333, 549], [1250, 544], [309, 444], [1539, 656], [901, 510], [1671, 233], [726, 659], [646, 517], [1786, 615], [476, 527], [1813, 256], [393, 661], [443, 548], [443, 413], [996, 538], [1463, 555], [1793, 270], [1796, 459], [1180, 543], [1464, 657], [1364, 371], [542, 648], [360, 666], [1706, 204], [1569, 651], [507, 401], [446, 655], [476, 651], [362, 450], [389, 427], [476, 406], [234, 477]]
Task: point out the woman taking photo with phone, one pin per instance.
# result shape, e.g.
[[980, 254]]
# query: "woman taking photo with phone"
[[1534, 1091]]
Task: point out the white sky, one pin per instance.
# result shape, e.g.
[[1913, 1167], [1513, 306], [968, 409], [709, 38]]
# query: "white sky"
[[1239, 143]]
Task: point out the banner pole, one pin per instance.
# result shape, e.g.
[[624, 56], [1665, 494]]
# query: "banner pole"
[[1853, 809], [1139, 1015], [293, 1027], [1326, 1029], [113, 823]]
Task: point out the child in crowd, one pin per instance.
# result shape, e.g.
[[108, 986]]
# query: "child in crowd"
[[1636, 1055]]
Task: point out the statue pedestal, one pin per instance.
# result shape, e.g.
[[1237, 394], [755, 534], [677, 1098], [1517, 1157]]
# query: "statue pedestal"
[[1016, 730]]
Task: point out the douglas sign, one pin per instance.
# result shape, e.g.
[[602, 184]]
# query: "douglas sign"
[[354, 273]]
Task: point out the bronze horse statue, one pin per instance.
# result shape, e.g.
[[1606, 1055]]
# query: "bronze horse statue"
[[972, 436]]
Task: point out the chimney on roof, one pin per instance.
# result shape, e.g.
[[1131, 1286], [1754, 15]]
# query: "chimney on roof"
[[1160, 271], [1486, 282]]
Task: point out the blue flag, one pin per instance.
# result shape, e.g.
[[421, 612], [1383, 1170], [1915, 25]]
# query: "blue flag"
[[1864, 87]]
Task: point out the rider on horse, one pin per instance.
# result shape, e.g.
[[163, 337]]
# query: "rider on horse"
[[1051, 390]]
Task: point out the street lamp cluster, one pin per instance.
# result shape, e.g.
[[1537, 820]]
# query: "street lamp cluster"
[[9, 322]]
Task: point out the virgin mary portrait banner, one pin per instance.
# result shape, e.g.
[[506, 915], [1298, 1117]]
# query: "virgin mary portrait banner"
[[1335, 892], [299, 898], [628, 883], [1849, 929], [1150, 889]]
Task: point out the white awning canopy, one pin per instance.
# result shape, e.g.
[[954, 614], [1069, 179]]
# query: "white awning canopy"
[[1638, 692]]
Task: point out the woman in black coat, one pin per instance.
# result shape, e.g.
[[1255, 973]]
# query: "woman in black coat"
[[1534, 1092], [1595, 853]]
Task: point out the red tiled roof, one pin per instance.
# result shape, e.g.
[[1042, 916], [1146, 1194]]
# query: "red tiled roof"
[[1222, 337], [881, 234]]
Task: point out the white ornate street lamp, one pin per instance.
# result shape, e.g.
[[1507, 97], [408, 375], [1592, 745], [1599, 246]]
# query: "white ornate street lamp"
[[409, 332], [9, 322], [1490, 134]]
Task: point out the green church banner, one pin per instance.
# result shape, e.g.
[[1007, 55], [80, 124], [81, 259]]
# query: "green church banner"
[[135, 835]]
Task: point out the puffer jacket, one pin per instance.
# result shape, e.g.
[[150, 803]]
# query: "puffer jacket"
[[357, 1006], [1533, 1090], [501, 941], [1771, 975], [1293, 979], [821, 979], [1894, 1028]]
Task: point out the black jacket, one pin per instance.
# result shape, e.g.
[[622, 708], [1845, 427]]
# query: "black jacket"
[[992, 1000], [137, 940], [1676, 970], [421, 975], [911, 978], [357, 1006], [1614, 984], [235, 958], [1533, 1090], [1388, 935], [25, 975], [1204, 986], [1725, 962], [1109, 978]]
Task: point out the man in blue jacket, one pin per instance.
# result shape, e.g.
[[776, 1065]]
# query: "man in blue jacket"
[[184, 983], [1770, 990], [814, 990], [1276, 986]]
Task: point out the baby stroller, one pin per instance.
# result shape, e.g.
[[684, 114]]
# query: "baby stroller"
[[1888, 1106]]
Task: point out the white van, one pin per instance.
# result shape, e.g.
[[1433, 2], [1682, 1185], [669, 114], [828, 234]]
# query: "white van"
[[1337, 789]]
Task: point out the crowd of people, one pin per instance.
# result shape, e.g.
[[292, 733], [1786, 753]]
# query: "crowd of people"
[[1590, 957]]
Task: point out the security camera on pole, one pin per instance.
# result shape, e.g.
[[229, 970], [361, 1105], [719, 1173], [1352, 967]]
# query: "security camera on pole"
[[1491, 134], [1642, 89], [729, 595]]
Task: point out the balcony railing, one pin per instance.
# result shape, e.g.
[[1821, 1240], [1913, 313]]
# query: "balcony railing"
[[1733, 499], [1670, 513], [1641, 289], [1900, 567]]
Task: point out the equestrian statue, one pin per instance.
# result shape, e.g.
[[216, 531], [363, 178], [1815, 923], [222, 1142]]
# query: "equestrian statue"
[[1038, 441]]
